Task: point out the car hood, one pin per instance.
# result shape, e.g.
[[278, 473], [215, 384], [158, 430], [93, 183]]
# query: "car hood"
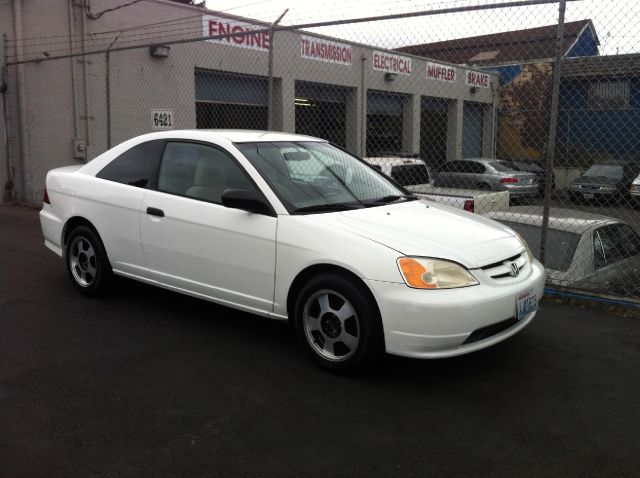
[[423, 228]]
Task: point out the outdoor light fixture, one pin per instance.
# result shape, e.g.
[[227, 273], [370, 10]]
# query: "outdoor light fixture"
[[473, 90], [390, 76], [159, 51], [302, 102]]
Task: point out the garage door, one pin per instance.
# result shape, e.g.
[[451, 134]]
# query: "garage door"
[[472, 130], [228, 100], [321, 111], [384, 123], [433, 130]]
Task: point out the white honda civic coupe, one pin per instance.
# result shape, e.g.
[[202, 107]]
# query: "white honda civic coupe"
[[292, 228]]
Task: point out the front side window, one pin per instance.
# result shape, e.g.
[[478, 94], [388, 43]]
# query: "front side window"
[[136, 166], [311, 174], [200, 172]]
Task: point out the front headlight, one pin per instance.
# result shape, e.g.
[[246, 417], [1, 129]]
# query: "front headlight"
[[526, 247], [425, 273]]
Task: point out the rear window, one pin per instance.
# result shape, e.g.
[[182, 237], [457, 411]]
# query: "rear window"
[[502, 167], [605, 171], [563, 244], [410, 174]]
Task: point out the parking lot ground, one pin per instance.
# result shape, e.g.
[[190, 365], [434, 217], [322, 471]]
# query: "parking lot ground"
[[148, 382]]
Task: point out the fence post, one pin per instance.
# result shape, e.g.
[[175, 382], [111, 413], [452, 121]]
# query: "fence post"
[[553, 123], [271, 100]]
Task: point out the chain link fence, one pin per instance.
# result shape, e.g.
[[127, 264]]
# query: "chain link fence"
[[525, 112]]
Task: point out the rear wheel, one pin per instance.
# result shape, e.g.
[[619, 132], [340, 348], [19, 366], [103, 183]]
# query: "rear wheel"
[[338, 324], [87, 262]]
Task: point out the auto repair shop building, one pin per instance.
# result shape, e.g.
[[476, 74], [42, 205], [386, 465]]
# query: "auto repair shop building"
[[372, 101]]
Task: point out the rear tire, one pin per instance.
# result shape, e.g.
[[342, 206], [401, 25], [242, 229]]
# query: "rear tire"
[[87, 262], [338, 324]]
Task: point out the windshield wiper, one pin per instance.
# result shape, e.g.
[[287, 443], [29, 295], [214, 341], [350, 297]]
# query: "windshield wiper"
[[328, 207], [392, 198]]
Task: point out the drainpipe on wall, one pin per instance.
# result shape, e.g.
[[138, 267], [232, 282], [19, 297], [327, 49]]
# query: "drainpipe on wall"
[[85, 86], [8, 187], [72, 36], [23, 158]]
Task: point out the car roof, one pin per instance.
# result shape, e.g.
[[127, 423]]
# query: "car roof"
[[233, 135], [568, 220]]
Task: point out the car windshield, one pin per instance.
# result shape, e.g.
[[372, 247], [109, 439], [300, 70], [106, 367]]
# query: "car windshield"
[[502, 166], [605, 171], [562, 244], [315, 176]]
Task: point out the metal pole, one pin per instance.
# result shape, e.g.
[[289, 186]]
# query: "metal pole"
[[107, 79], [270, 99], [553, 123]]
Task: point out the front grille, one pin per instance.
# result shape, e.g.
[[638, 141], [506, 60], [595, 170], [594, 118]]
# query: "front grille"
[[502, 269], [489, 330]]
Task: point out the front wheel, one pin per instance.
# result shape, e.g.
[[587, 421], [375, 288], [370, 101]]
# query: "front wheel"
[[338, 324], [87, 262]]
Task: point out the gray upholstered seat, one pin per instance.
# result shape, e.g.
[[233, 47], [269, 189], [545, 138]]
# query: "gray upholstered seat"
[[209, 181]]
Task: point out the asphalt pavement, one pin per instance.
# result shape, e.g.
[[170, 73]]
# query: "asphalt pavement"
[[146, 382]]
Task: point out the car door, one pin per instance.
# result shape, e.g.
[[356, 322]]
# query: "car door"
[[195, 244]]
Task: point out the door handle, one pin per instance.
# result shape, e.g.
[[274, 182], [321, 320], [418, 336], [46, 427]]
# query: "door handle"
[[152, 211]]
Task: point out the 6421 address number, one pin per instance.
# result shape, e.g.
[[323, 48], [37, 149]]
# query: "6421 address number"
[[162, 119]]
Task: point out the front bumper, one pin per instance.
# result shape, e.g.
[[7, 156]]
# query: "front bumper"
[[436, 323]]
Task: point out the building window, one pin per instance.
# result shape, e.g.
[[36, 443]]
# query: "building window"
[[609, 95]]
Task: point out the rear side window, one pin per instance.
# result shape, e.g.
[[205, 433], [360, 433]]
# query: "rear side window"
[[136, 166]]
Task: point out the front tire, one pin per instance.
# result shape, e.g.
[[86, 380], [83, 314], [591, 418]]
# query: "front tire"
[[87, 263], [338, 324]]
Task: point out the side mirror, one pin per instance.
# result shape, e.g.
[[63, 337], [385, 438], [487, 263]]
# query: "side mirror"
[[246, 200]]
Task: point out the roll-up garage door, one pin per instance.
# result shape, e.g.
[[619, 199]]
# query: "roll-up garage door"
[[472, 130], [321, 111], [384, 123], [229, 100], [433, 130]]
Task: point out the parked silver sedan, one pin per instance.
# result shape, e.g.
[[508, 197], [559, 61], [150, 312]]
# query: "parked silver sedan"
[[482, 173], [584, 249]]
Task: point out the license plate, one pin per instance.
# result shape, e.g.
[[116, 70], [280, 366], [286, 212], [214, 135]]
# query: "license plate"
[[526, 302], [588, 196]]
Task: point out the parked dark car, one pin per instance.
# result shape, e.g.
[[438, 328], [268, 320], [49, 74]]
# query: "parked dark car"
[[605, 183]]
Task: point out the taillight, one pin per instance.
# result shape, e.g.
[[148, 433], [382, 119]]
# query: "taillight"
[[509, 180], [45, 196], [468, 205]]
